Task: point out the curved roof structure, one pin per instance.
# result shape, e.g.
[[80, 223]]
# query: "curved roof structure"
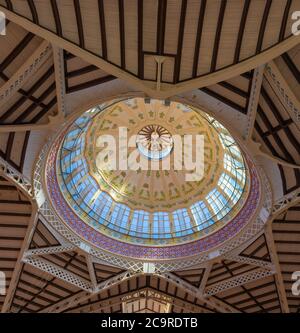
[[129, 204], [77, 77]]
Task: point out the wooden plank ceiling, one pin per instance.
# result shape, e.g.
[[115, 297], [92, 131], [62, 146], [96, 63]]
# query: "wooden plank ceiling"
[[195, 37]]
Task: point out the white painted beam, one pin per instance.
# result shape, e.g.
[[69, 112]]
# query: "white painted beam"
[[253, 101]]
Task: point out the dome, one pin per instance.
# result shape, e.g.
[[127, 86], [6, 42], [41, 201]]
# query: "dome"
[[160, 205]]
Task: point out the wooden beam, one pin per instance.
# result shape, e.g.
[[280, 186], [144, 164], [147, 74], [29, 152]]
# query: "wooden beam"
[[215, 53], [92, 83], [161, 26], [140, 39], [102, 29], [31, 91], [122, 33], [180, 42], [199, 37], [223, 99], [263, 26], [16, 51], [205, 277], [56, 16], [149, 87], [34, 12], [79, 23], [292, 67], [241, 31], [285, 20]]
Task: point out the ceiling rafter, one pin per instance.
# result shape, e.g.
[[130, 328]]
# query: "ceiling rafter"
[[150, 87], [79, 73]]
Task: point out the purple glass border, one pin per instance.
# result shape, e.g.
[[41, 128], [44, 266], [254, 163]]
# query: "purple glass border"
[[119, 247]]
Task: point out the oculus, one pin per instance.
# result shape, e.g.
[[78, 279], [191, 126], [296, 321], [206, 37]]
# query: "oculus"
[[154, 141]]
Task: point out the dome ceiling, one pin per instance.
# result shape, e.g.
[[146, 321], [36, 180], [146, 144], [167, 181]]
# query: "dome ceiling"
[[157, 188], [150, 207]]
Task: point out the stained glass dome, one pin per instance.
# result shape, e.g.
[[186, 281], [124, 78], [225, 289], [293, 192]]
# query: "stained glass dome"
[[156, 207]]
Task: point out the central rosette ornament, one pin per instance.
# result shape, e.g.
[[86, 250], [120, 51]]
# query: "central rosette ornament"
[[154, 142]]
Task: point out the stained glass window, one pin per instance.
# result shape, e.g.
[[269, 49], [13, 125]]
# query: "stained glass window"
[[98, 206]]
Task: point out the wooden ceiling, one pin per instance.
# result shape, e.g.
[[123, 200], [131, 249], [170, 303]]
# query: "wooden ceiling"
[[197, 38]]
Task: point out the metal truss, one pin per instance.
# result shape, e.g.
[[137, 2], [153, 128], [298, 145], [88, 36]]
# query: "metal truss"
[[85, 295], [148, 292], [161, 297], [214, 303], [146, 295], [250, 261], [16, 177], [49, 250], [285, 202], [36, 258], [58, 272], [237, 281]]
